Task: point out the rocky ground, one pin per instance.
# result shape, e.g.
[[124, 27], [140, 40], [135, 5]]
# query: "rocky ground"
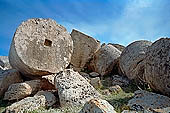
[[49, 70]]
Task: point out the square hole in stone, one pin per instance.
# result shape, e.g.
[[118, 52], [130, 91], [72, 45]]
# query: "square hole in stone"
[[48, 42]]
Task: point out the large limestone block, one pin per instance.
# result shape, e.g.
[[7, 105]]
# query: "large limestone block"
[[97, 106], [84, 48], [27, 105], [22, 90], [131, 59], [8, 77], [73, 89], [144, 100], [40, 47], [105, 59], [157, 68]]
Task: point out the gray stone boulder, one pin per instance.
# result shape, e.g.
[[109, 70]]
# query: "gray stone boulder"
[[105, 59], [157, 66], [8, 77], [4, 63], [40, 47], [131, 59], [84, 48], [22, 90], [144, 100], [50, 98], [27, 105], [118, 46], [73, 89], [97, 106]]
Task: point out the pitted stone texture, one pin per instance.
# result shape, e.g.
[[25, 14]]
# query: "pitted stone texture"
[[105, 59], [40, 47], [97, 106], [4, 63], [157, 68], [131, 59], [73, 89], [84, 48], [8, 77], [50, 98], [27, 105], [144, 100], [22, 90]]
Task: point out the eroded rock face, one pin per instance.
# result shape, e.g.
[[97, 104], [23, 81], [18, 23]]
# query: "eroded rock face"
[[97, 106], [27, 105], [4, 63], [84, 47], [50, 98], [40, 47], [120, 80], [131, 59], [157, 66], [8, 77], [22, 90], [73, 89], [105, 59], [144, 100]]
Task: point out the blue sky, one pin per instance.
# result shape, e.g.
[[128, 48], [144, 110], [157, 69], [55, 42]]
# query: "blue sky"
[[116, 21]]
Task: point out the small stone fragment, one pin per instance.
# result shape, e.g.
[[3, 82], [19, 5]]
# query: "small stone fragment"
[[50, 98], [97, 106], [94, 74], [115, 89], [95, 82]]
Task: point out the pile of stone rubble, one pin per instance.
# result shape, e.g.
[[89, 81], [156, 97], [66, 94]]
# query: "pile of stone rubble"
[[47, 67]]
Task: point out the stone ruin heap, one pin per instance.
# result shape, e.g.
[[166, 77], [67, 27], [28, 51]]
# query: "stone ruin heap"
[[47, 67]]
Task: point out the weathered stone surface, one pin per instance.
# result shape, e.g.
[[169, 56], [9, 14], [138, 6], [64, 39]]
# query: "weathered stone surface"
[[144, 100], [94, 74], [118, 46], [73, 89], [120, 80], [8, 77], [157, 68], [50, 98], [47, 82], [131, 59], [40, 47], [4, 63], [84, 48], [97, 106], [27, 104], [115, 89], [95, 82], [105, 59], [22, 90]]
